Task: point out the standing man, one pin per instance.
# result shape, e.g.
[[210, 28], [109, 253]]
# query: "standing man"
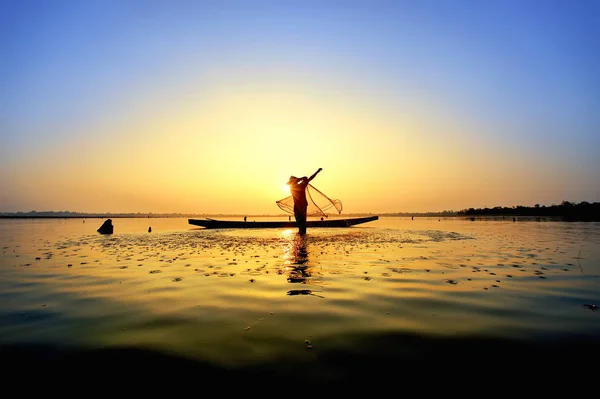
[[298, 187]]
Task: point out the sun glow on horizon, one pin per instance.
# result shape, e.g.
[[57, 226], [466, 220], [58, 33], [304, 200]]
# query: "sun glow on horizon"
[[207, 109], [229, 153]]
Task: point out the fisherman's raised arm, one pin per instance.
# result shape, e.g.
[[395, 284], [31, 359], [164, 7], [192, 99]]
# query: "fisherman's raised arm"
[[315, 174]]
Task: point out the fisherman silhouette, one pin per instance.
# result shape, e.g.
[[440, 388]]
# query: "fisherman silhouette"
[[298, 189]]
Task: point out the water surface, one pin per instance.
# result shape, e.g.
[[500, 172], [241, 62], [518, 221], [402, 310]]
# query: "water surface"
[[335, 303]]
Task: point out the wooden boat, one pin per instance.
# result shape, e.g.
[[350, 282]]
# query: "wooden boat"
[[235, 224]]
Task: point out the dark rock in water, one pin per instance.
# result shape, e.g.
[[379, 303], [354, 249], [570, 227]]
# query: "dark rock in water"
[[106, 228]]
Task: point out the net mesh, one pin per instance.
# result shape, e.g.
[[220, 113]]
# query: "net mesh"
[[318, 203]]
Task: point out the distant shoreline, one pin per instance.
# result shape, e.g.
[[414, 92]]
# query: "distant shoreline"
[[453, 216], [158, 216], [584, 211], [81, 217]]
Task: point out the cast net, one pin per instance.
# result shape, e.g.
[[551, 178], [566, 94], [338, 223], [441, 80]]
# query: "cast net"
[[318, 203]]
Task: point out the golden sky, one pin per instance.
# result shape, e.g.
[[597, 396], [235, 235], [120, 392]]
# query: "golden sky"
[[208, 110]]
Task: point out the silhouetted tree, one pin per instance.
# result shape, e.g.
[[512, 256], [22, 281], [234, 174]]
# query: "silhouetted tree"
[[571, 211]]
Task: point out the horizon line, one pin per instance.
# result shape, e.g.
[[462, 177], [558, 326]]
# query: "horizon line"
[[186, 214]]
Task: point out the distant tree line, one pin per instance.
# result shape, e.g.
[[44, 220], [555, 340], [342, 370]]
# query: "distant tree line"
[[584, 211], [68, 214], [568, 210]]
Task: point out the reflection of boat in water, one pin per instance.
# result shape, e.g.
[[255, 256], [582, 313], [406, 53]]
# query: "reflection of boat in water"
[[238, 224]]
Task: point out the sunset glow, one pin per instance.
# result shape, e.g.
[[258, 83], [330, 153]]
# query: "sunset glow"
[[200, 108]]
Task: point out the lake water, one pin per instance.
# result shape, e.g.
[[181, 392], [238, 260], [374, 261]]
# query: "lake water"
[[375, 302]]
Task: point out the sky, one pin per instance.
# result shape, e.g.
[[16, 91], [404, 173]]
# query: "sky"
[[209, 107]]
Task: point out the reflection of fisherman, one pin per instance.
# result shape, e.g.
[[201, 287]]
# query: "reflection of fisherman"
[[299, 250], [300, 271], [298, 189], [299, 268]]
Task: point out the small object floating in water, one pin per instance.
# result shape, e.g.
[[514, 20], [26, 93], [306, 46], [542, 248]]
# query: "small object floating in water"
[[299, 292], [150, 229], [107, 227], [451, 281], [303, 292], [593, 308]]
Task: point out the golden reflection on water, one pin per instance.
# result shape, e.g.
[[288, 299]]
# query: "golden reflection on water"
[[298, 267], [229, 295]]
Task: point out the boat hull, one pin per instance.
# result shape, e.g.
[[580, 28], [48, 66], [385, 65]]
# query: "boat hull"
[[234, 224]]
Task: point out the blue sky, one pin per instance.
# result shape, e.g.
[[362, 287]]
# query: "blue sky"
[[500, 91]]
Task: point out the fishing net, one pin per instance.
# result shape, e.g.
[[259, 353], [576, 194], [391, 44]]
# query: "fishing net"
[[318, 203]]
